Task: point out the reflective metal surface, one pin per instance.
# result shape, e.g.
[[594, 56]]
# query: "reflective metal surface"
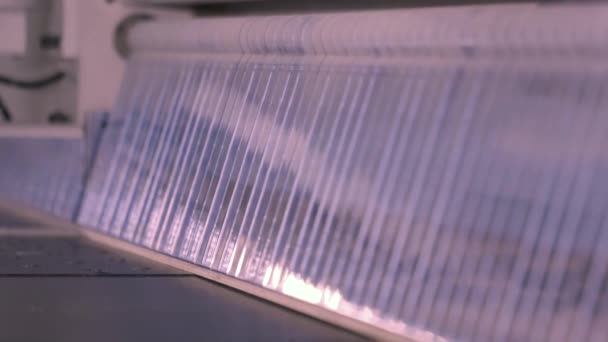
[[69, 288]]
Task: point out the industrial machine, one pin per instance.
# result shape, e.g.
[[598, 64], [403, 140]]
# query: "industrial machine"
[[402, 171]]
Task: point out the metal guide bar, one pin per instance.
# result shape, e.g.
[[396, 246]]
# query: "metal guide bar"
[[500, 31]]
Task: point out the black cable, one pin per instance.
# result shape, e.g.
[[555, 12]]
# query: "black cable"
[[35, 84], [4, 112]]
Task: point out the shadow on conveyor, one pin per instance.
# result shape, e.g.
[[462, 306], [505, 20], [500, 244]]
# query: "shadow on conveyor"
[[66, 288]]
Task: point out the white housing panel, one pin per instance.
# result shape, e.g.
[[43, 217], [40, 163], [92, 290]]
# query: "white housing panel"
[[13, 33]]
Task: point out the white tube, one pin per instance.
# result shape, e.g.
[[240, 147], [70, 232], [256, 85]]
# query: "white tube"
[[469, 29]]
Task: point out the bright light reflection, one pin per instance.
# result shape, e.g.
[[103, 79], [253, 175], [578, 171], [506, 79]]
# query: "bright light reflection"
[[293, 285]]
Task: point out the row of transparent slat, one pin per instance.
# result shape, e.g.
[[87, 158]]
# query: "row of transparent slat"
[[44, 173], [433, 200]]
